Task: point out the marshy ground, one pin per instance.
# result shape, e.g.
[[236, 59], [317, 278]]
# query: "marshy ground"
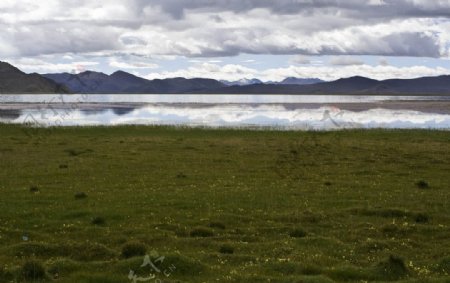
[[87, 205]]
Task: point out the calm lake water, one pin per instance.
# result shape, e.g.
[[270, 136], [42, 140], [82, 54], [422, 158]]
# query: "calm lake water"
[[300, 112]]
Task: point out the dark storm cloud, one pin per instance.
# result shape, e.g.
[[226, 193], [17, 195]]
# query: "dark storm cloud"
[[356, 8], [209, 28]]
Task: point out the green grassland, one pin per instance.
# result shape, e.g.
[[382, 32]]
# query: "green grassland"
[[86, 204]]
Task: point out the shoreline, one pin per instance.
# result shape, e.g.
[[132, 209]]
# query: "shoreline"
[[436, 107]]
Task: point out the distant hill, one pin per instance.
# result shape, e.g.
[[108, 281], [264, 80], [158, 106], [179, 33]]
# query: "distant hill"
[[299, 81], [287, 81], [352, 86], [14, 81], [122, 82], [242, 82]]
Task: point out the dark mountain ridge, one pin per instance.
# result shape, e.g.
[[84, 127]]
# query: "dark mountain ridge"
[[14, 81], [123, 82], [353, 86], [299, 81]]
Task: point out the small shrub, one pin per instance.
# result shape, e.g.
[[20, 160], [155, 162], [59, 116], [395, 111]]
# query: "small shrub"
[[298, 233], [327, 184], [311, 217], [217, 225], [386, 212], [98, 220], [348, 274], [183, 266], [285, 268], [77, 152], [34, 189], [181, 176], [63, 166], [226, 249], [389, 228], [133, 249], [202, 232], [80, 195], [33, 270], [5, 276], [444, 266], [290, 268], [374, 246], [311, 270], [394, 268], [73, 152], [63, 267], [91, 252], [421, 218], [422, 184], [32, 249]]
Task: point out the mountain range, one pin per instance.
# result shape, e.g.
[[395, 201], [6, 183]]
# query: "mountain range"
[[353, 86], [298, 81], [122, 82], [242, 82], [12, 81]]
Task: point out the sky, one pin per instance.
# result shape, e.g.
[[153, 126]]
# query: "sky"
[[229, 39]]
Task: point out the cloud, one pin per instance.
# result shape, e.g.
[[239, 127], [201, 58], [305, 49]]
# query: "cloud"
[[132, 65], [42, 66], [233, 72], [205, 28], [300, 59], [229, 72], [383, 62], [389, 8], [345, 61], [329, 73]]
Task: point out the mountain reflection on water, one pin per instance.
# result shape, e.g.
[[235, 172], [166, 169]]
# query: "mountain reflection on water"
[[321, 117]]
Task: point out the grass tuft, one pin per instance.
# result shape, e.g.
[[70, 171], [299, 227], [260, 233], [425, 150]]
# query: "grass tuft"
[[348, 274], [98, 220], [202, 232], [181, 176], [5, 275], [298, 233], [80, 195], [393, 268], [421, 218], [217, 225], [33, 270], [226, 249], [34, 189], [133, 249], [294, 268], [77, 152], [422, 184], [444, 266]]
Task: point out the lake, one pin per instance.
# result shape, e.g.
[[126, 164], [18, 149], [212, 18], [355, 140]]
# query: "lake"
[[296, 112]]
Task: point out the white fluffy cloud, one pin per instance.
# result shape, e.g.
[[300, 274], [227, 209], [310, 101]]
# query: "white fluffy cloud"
[[225, 28], [233, 72], [131, 64], [329, 73], [118, 29], [42, 66]]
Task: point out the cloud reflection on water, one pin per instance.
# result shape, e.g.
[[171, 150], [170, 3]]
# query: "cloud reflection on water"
[[273, 116]]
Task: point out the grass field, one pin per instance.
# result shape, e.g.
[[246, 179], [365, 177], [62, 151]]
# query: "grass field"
[[86, 204]]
